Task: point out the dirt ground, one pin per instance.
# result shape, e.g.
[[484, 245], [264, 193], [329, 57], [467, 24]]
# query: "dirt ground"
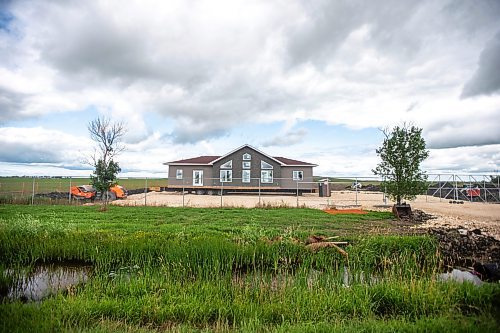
[[469, 215]]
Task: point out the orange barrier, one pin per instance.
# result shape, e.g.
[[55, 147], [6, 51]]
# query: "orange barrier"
[[345, 211]]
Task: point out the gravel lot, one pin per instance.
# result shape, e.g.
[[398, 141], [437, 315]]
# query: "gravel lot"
[[485, 216]]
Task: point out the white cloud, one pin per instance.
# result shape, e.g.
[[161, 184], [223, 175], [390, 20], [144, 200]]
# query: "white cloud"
[[210, 66]]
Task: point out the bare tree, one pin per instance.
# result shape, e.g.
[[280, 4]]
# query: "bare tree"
[[107, 135]]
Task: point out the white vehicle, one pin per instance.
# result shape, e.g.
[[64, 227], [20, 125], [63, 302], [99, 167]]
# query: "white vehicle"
[[356, 185]]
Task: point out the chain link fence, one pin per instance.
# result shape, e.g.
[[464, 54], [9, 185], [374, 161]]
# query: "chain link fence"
[[341, 192]]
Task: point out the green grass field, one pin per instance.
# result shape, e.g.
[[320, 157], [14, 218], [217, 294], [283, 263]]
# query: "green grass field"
[[20, 189], [233, 269]]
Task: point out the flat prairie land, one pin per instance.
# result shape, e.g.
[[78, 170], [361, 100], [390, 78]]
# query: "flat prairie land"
[[485, 216], [156, 269], [26, 185]]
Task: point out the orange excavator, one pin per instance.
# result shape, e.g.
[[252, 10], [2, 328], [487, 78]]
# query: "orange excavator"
[[84, 192]]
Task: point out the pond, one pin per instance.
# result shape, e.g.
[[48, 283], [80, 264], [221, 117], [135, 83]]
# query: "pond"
[[38, 282]]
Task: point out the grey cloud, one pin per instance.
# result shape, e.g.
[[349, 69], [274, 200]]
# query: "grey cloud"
[[193, 134], [466, 140], [195, 122], [24, 153], [486, 79], [10, 104], [330, 22], [287, 139], [470, 17], [398, 29], [328, 25], [459, 132], [102, 51], [228, 100], [87, 43], [412, 106]]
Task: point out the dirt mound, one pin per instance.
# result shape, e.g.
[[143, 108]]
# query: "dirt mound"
[[415, 216], [53, 195], [462, 247], [420, 216]]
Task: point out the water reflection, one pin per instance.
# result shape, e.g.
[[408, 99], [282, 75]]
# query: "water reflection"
[[44, 280]]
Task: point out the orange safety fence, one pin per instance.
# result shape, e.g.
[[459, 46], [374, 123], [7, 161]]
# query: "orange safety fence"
[[345, 211]]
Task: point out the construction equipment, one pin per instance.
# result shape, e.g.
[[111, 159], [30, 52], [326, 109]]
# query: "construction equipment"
[[83, 192], [118, 191]]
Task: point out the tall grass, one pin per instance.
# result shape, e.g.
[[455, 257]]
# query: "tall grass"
[[221, 270]]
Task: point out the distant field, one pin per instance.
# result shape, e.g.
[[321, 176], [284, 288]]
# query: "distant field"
[[20, 186]]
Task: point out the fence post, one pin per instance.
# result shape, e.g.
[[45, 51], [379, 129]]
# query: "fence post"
[[33, 192], [485, 191], [69, 194], [221, 192], [356, 190], [297, 194], [146, 192], [259, 193], [470, 189], [427, 190], [456, 187], [440, 187], [385, 189], [183, 191]]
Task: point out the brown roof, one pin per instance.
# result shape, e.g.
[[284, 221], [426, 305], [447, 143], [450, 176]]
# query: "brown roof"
[[289, 161], [209, 159], [196, 160]]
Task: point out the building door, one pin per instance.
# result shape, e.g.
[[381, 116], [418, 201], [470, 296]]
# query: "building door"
[[197, 177]]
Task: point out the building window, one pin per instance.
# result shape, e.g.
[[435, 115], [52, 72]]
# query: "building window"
[[226, 176], [245, 176], [298, 175], [247, 157], [247, 165], [227, 165], [265, 165], [178, 174], [266, 176]]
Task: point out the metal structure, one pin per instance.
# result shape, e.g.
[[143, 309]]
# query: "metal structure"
[[472, 188]]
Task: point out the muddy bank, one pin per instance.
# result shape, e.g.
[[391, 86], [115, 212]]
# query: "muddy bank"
[[465, 246], [462, 247]]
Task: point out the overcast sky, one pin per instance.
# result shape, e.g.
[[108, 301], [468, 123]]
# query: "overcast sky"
[[309, 80]]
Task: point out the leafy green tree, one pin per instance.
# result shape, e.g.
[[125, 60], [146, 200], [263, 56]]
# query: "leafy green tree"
[[104, 176], [401, 153], [107, 135]]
